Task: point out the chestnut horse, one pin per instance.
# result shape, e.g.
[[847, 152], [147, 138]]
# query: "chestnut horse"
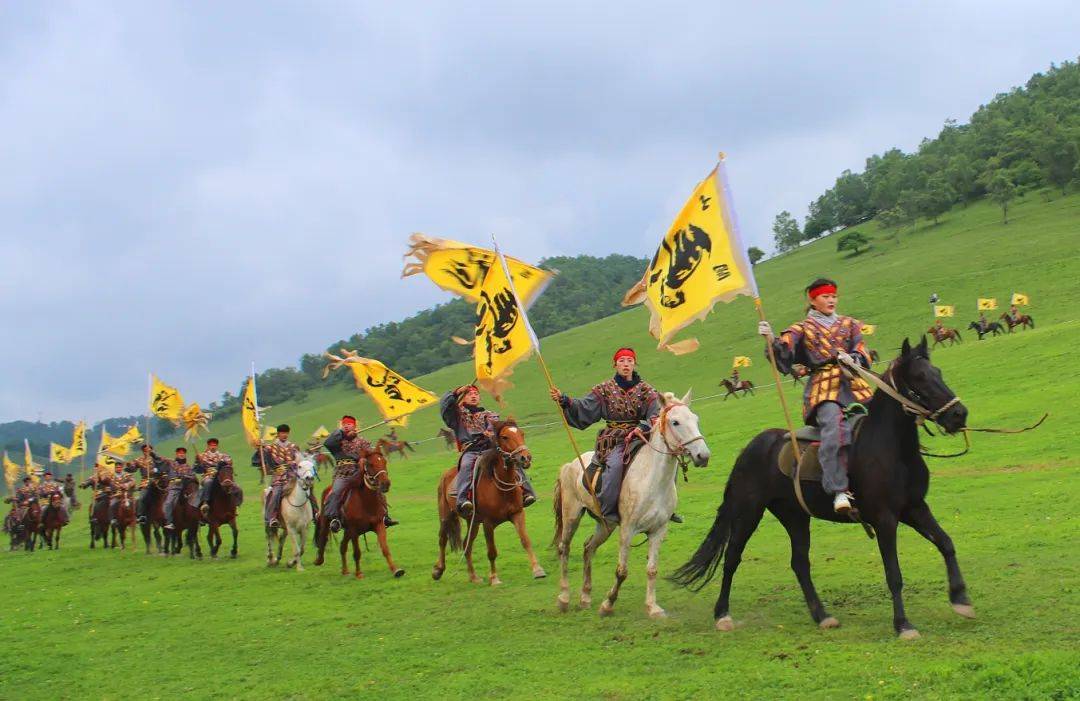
[[363, 510], [224, 497], [155, 513], [944, 333], [125, 520], [497, 497], [744, 386], [52, 521], [1023, 321], [31, 524], [387, 446], [186, 522]]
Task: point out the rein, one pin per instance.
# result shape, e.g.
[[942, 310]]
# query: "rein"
[[679, 452]]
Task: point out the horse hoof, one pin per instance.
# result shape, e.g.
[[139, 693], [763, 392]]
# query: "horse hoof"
[[539, 573], [359, 575], [725, 624], [909, 634], [495, 581], [828, 622], [564, 606], [657, 613], [299, 567], [475, 580], [606, 609], [232, 556], [345, 572], [965, 610], [436, 573], [399, 573], [585, 602]]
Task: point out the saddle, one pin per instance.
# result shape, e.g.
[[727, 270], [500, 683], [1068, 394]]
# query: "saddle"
[[809, 438], [593, 477]]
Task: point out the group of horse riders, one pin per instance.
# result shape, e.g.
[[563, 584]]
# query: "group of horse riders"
[[43, 492]]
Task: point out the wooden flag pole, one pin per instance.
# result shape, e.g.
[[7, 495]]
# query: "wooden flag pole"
[[779, 386], [149, 394]]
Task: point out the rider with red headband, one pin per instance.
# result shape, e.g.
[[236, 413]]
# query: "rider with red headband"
[[629, 405], [348, 448], [822, 342]]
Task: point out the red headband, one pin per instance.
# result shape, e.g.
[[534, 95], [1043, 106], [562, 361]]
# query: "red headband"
[[822, 290], [348, 421], [624, 353]]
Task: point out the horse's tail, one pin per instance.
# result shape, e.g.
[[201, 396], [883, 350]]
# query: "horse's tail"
[[701, 567], [449, 525], [1032, 320], [556, 502], [409, 446]]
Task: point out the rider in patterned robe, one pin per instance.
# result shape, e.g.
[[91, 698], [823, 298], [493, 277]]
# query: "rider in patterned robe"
[[472, 425], [1014, 314], [179, 472], [69, 490], [101, 482], [822, 342], [20, 499], [984, 323], [281, 457], [46, 490], [149, 466], [348, 447], [629, 405], [208, 462], [119, 484]]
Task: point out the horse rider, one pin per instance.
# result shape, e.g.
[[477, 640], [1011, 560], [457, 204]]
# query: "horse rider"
[[735, 377], [473, 427], [149, 466], [392, 435], [179, 472], [628, 405], [47, 489], [69, 490], [822, 342], [120, 483], [208, 462], [1014, 314], [281, 456], [20, 499], [348, 447], [984, 323], [101, 482]]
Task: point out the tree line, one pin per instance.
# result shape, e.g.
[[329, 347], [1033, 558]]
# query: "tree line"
[[1023, 140]]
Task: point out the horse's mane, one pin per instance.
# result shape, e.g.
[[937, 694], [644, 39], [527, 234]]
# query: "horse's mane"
[[498, 426]]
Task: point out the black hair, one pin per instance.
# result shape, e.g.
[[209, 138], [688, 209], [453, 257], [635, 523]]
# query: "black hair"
[[284, 428], [212, 440]]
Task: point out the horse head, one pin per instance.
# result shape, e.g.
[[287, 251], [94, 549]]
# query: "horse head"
[[305, 470], [225, 476], [916, 378], [679, 429], [510, 442], [376, 476]]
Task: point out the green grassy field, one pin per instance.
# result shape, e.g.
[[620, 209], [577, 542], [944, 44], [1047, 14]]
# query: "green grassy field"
[[78, 623]]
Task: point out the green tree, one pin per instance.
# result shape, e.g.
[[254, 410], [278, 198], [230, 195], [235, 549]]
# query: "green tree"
[[786, 234], [893, 218], [1059, 158], [754, 254], [852, 241], [961, 177], [1002, 191], [937, 198]]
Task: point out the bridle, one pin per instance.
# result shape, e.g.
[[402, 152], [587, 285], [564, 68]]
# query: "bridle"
[[887, 384], [677, 451], [372, 480]]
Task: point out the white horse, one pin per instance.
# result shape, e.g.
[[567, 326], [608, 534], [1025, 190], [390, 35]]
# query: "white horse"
[[646, 501], [296, 515]]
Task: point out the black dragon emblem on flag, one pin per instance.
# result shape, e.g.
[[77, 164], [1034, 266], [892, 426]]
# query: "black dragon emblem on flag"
[[471, 272], [503, 309], [685, 254]]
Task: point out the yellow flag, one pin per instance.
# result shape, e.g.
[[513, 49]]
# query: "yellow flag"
[[78, 441], [987, 304], [269, 434], [503, 336], [394, 396], [869, 329], [165, 401], [29, 464], [320, 434], [462, 269], [701, 261], [11, 473], [194, 420], [1020, 300], [942, 310], [741, 361], [131, 436], [59, 454], [249, 413], [121, 445]]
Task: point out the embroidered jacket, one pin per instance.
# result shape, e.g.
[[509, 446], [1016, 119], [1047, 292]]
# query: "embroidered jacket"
[[346, 451], [469, 424], [623, 409]]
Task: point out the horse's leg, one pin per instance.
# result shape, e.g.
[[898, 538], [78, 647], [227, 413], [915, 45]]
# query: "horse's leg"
[[621, 570], [570, 521], [344, 552], [235, 534], [356, 555], [797, 524], [922, 520], [269, 547], [474, 528], [656, 539], [518, 520], [743, 526], [886, 537], [592, 543], [492, 553], [380, 533]]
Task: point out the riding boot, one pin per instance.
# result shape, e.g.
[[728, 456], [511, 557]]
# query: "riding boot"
[[463, 481], [112, 511], [332, 506], [274, 503], [387, 521], [204, 494], [528, 493]]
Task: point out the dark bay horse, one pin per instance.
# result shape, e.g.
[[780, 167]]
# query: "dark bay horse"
[[497, 498], [155, 513], [993, 327], [744, 386], [888, 477], [224, 497], [388, 445], [363, 510], [1023, 321], [99, 519], [125, 520], [186, 522], [52, 521], [31, 524]]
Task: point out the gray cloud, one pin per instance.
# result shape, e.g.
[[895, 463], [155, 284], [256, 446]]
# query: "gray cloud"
[[189, 187]]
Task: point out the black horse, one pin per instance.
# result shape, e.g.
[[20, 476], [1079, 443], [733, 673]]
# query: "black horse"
[[888, 477], [993, 327]]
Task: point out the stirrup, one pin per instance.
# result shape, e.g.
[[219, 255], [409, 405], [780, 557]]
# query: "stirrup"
[[465, 508], [388, 522], [335, 525], [528, 501]]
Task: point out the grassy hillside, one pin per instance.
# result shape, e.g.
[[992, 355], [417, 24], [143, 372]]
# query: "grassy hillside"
[[242, 630]]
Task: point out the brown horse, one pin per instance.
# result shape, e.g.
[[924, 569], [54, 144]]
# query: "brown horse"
[[52, 521], [99, 520], [363, 510], [1023, 321], [941, 334], [387, 446], [497, 498], [155, 513], [186, 522], [125, 520], [448, 436], [744, 386], [31, 524], [224, 497]]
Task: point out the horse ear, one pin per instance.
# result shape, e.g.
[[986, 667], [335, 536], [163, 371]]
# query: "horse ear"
[[666, 398], [922, 349], [905, 348], [686, 397]]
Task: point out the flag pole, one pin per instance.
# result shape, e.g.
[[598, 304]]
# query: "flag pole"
[[150, 395], [779, 386], [258, 446], [543, 365]]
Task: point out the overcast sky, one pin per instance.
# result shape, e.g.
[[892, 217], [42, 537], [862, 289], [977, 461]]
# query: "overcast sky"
[[188, 187]]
